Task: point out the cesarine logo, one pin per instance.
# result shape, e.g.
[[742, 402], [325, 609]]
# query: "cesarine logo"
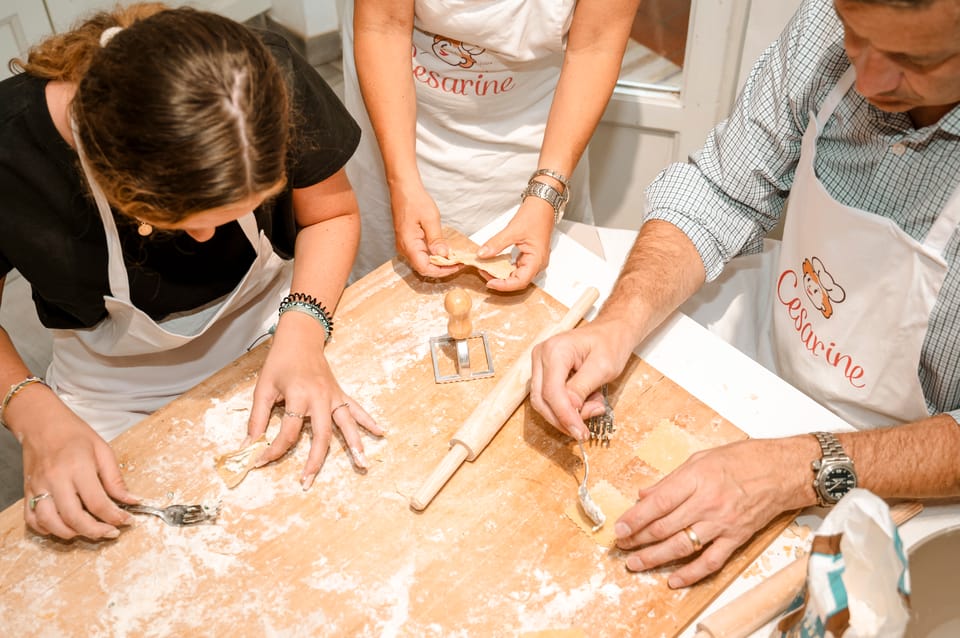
[[823, 293], [455, 52], [459, 55], [820, 287]]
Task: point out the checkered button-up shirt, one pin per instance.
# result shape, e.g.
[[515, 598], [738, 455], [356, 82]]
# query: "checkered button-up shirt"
[[734, 190]]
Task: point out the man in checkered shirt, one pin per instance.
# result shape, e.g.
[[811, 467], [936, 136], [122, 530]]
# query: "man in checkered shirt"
[[852, 113]]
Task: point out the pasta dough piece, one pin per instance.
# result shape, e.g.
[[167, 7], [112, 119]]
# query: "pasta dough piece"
[[611, 501], [666, 446], [499, 266], [233, 466]]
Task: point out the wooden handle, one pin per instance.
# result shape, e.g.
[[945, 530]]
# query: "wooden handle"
[[457, 303], [490, 415], [756, 607], [487, 419], [438, 478]]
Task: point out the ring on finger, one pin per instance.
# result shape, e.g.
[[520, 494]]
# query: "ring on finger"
[[36, 499], [295, 415], [345, 404], [694, 539]]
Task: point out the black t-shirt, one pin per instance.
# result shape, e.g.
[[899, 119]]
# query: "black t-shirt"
[[51, 231]]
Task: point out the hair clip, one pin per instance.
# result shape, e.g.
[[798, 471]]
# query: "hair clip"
[[108, 34]]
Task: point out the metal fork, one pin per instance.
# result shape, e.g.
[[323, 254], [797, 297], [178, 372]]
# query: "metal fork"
[[601, 426], [177, 515]]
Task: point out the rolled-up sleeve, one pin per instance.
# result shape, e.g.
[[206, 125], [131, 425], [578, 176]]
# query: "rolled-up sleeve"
[[734, 190]]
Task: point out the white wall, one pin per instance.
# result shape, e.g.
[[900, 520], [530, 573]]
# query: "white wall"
[[767, 19], [63, 13], [23, 23], [633, 142], [306, 18]]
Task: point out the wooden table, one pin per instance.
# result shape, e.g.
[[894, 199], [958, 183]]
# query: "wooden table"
[[496, 553]]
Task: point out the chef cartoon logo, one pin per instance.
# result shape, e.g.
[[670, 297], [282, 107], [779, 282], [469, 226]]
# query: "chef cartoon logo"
[[826, 342], [820, 287], [455, 52]]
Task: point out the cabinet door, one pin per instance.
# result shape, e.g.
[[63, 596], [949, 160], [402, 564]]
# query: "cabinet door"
[[22, 23], [64, 13], [678, 79]]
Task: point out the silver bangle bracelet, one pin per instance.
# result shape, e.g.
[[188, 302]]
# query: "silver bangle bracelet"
[[552, 173], [12, 392]]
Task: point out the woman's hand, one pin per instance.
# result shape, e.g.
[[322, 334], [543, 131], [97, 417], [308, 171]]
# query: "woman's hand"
[[297, 373], [529, 231], [416, 224], [64, 458]]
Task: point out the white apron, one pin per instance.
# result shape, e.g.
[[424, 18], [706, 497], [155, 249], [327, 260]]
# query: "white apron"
[[844, 302], [485, 74], [128, 365]]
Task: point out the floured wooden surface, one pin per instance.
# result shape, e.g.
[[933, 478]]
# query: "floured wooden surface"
[[494, 554]]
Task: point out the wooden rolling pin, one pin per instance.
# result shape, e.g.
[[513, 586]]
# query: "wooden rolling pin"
[[756, 607], [490, 415]]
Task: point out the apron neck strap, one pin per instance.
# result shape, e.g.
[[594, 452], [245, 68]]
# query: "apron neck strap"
[[943, 229], [833, 98], [116, 269], [946, 224]]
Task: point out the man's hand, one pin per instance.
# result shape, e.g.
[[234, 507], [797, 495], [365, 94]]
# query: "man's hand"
[[569, 367], [724, 495]]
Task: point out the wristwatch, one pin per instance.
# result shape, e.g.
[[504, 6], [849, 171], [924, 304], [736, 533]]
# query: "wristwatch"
[[549, 194], [834, 474]]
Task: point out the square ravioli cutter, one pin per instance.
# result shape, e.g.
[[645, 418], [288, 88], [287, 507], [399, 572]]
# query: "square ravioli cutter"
[[459, 335]]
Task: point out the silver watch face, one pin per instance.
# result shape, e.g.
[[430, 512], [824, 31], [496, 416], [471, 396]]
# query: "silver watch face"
[[837, 481]]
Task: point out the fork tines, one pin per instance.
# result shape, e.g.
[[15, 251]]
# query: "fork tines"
[[601, 426], [193, 514]]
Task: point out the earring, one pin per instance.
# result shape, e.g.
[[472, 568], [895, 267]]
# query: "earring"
[[143, 228]]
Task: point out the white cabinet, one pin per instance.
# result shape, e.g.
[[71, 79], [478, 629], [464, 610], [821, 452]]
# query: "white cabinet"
[[22, 23], [25, 22], [648, 125], [653, 123], [64, 13]]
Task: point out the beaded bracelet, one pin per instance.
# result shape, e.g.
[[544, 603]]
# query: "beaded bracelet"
[[307, 304], [12, 392]]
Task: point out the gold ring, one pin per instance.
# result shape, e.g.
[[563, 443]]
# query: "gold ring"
[[345, 404], [36, 499], [295, 415], [694, 539]]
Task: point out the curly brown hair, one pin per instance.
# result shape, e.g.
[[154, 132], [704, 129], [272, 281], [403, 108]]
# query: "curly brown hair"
[[182, 111]]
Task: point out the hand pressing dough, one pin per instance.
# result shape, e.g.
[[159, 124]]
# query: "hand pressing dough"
[[498, 266], [233, 466], [611, 501]]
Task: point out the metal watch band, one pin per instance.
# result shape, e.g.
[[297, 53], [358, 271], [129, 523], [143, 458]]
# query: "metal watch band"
[[834, 459], [550, 195], [832, 450]]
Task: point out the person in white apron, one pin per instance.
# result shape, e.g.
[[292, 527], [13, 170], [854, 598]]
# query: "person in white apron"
[[845, 308], [461, 100], [105, 377], [815, 310]]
